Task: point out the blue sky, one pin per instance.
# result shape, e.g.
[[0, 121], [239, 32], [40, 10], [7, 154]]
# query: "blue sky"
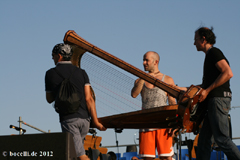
[[126, 29]]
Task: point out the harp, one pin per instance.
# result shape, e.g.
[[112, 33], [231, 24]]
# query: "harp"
[[171, 116]]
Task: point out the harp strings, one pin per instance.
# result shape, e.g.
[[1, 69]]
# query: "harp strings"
[[112, 86]]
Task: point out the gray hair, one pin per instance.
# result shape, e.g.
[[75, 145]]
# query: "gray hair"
[[64, 49]]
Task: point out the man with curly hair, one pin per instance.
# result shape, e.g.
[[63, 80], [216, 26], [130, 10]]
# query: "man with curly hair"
[[216, 96]]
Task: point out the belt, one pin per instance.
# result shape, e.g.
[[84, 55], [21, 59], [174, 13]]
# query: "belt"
[[227, 94]]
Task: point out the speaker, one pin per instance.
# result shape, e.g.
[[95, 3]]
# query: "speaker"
[[49, 146]]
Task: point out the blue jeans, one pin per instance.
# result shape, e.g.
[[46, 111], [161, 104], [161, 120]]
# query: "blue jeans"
[[78, 128], [216, 123]]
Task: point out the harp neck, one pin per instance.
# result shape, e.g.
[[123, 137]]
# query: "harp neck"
[[72, 38]]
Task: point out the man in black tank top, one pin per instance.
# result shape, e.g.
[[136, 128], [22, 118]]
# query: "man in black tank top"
[[217, 97]]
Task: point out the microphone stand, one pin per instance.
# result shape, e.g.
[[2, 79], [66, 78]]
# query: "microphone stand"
[[117, 130]]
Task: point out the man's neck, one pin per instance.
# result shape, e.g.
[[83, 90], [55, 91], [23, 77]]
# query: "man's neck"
[[154, 73], [207, 47], [64, 62]]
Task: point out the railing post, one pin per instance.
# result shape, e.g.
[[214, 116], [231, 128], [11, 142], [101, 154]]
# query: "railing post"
[[20, 125]]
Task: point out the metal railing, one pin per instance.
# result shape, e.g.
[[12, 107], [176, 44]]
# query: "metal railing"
[[21, 130]]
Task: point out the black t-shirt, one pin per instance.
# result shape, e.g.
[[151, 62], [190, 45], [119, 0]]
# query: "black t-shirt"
[[211, 73], [79, 79]]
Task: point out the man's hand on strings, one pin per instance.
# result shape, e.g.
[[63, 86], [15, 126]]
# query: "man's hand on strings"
[[180, 88]]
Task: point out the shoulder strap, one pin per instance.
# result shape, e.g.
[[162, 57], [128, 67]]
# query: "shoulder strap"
[[163, 77]]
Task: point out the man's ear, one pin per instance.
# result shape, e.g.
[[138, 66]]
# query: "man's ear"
[[60, 57], [204, 39]]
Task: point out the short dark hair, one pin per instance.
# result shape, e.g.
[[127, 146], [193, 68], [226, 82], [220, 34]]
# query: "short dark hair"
[[112, 155], [207, 33]]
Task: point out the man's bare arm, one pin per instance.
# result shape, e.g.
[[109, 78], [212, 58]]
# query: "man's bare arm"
[[137, 88], [226, 74], [92, 108], [171, 100]]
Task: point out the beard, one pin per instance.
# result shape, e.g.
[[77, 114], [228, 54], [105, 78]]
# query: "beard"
[[145, 68]]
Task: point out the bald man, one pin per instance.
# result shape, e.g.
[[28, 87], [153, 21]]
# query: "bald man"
[[150, 139]]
